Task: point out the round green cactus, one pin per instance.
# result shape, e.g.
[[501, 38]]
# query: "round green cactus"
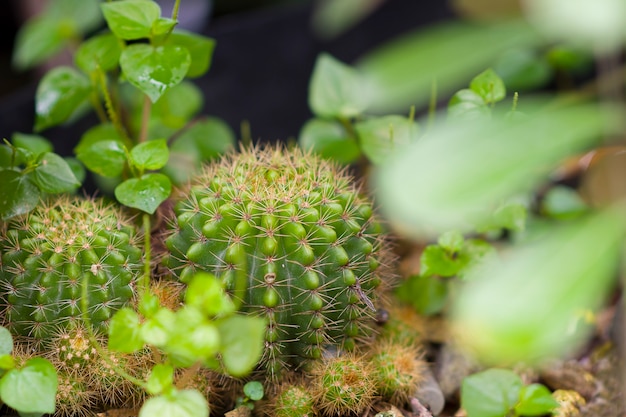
[[48, 253], [293, 240]]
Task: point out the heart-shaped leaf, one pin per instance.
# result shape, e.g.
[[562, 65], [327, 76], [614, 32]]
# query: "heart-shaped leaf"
[[185, 403], [242, 338], [329, 139], [150, 155], [53, 174], [101, 51], [60, 92], [106, 157], [124, 331], [381, 136], [200, 49], [131, 19], [155, 69], [18, 195], [145, 193], [31, 389]]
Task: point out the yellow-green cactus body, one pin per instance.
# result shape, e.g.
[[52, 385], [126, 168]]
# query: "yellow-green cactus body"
[[299, 232]]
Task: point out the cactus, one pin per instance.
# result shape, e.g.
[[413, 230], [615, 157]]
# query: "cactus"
[[48, 253], [293, 400], [298, 232]]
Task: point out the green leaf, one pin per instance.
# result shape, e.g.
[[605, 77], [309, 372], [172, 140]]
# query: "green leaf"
[[184, 403], [527, 306], [489, 86], [33, 143], [7, 362], [82, 15], [155, 69], [193, 339], [99, 52], [467, 104], [157, 330], [150, 155], [563, 203], [6, 341], [131, 19], [60, 92], [145, 193], [490, 393], [253, 390], [124, 330], [329, 139], [36, 41], [381, 136], [437, 261], [206, 293], [178, 105], [401, 73], [242, 343], [149, 304], [451, 241], [200, 49], [53, 174], [31, 389], [100, 132], [106, 157], [523, 69], [19, 194], [160, 380], [162, 26], [78, 169], [535, 400], [428, 197], [336, 90], [428, 295]]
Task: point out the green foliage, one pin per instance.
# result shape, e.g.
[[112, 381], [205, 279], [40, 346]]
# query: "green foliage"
[[485, 89], [253, 391], [501, 393]]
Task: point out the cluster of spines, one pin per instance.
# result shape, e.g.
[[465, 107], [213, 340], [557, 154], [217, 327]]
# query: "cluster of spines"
[[48, 253], [304, 239]]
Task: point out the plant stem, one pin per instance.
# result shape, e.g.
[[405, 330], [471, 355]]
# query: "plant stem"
[[145, 119], [144, 284], [432, 104], [110, 109]]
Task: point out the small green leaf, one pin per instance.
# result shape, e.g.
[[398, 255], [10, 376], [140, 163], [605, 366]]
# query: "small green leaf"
[[149, 304], [99, 52], [200, 49], [242, 343], [451, 241], [253, 390], [489, 86], [428, 295], [524, 69], [7, 362], [193, 339], [100, 132], [437, 261], [563, 203], [131, 19], [206, 293], [490, 393], [160, 380], [33, 143], [154, 69], [162, 26], [381, 136], [78, 169], [150, 155], [467, 104], [53, 174], [106, 157], [124, 331], [157, 330], [184, 403], [36, 41], [178, 105], [336, 90], [31, 389], [81, 15], [535, 400], [60, 92], [6, 341], [145, 193], [18, 195], [329, 139]]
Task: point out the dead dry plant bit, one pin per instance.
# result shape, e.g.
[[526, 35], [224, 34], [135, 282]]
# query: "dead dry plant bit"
[[419, 410]]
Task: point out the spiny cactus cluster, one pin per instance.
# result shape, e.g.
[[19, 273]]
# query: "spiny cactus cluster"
[[299, 233], [48, 253]]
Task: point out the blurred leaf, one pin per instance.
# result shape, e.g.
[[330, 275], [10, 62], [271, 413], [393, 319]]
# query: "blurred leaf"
[[161, 379], [563, 203], [60, 92], [162, 26], [105, 157], [131, 19], [178, 105], [78, 169], [36, 41], [381, 136], [329, 139], [535, 400], [84, 15], [145, 193], [451, 241], [53, 174], [489, 86], [124, 331], [18, 194], [401, 73], [184, 403], [336, 89], [205, 292], [523, 69], [200, 50], [452, 178], [253, 390], [97, 133], [154, 69], [6, 341], [242, 343], [150, 155], [428, 295], [467, 104], [33, 143], [101, 51], [490, 393], [524, 307], [30, 389], [331, 18]]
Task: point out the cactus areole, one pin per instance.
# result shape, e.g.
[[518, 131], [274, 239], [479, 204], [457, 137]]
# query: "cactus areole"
[[49, 253], [299, 235]]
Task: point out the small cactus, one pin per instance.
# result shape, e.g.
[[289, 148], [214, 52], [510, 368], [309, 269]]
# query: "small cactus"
[[293, 401], [299, 233], [397, 370], [48, 253]]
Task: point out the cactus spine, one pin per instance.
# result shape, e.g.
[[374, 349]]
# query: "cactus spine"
[[48, 253], [297, 233]]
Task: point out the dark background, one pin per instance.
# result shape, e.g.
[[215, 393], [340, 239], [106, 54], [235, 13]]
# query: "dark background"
[[260, 71]]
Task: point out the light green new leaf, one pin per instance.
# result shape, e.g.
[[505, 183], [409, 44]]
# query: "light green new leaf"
[[131, 19], [145, 193], [36, 41], [30, 389], [53, 174], [467, 104], [184, 403], [206, 293], [101, 51], [124, 330], [454, 177], [242, 343], [6, 341], [154, 69], [150, 155], [529, 305], [535, 400], [489, 86], [254, 390], [33, 143], [329, 139], [160, 380], [60, 92], [18, 195], [381, 136], [81, 15], [490, 393], [200, 49], [336, 90]]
